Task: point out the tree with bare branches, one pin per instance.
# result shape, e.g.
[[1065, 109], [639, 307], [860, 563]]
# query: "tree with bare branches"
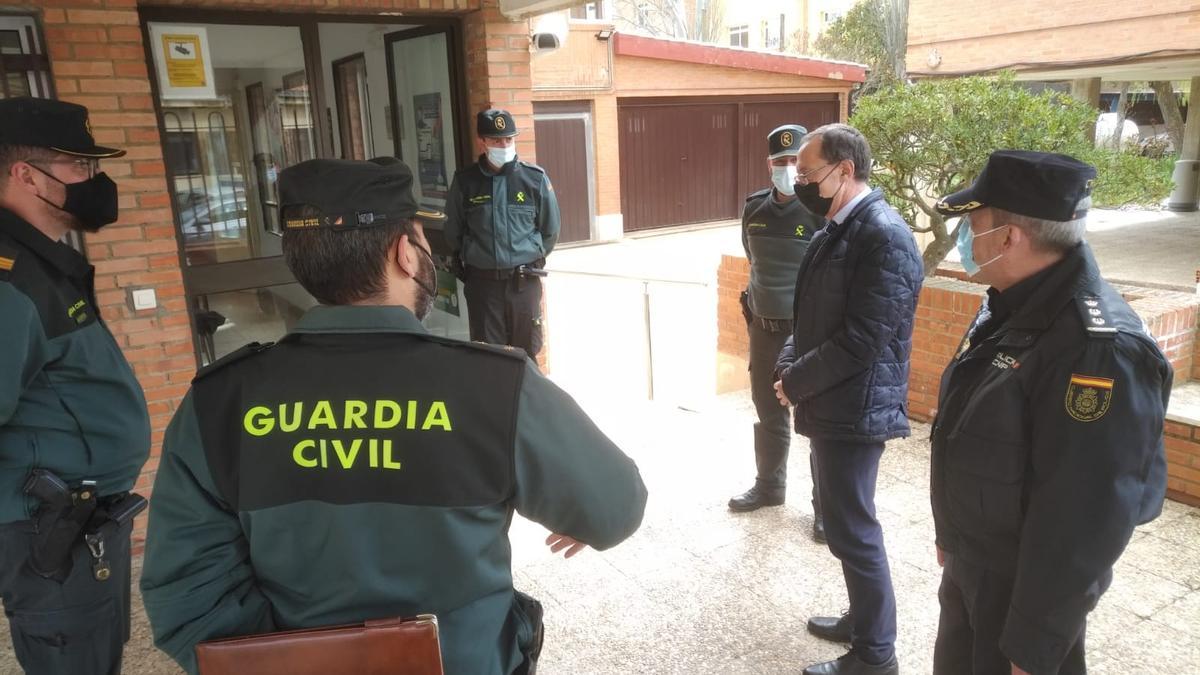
[[696, 20]]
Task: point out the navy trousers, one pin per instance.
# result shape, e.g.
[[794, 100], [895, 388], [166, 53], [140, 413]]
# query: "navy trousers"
[[847, 485], [975, 604]]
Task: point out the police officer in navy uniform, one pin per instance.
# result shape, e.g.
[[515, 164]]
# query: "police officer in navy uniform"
[[502, 221], [363, 468], [776, 230], [74, 430], [1048, 442]]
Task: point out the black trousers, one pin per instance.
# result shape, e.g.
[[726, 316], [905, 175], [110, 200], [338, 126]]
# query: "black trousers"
[[773, 431], [505, 311], [975, 604], [847, 483], [76, 627]]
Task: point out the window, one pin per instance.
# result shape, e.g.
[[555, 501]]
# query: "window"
[[739, 36], [24, 68], [829, 17], [588, 11], [353, 107]]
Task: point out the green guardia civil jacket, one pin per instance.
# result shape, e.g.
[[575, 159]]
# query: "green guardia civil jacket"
[[362, 469], [69, 401]]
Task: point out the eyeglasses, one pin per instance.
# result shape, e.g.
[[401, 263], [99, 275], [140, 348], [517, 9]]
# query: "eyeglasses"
[[82, 164], [802, 176]]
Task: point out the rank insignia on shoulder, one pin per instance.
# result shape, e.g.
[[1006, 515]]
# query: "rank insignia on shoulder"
[[8, 258], [1088, 397], [1095, 318]]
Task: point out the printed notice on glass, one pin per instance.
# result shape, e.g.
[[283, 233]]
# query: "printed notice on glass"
[[182, 61]]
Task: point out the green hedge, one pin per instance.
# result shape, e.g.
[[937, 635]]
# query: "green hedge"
[[1128, 179]]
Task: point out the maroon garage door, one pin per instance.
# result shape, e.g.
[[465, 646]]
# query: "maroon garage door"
[[695, 160]]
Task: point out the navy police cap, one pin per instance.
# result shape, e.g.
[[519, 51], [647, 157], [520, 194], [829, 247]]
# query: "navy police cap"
[[55, 125], [1039, 185], [344, 194]]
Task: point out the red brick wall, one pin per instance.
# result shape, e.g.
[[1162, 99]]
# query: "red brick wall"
[[733, 276], [944, 312], [98, 60], [1183, 462]]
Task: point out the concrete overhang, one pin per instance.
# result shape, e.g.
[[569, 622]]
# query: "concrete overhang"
[[1166, 65], [521, 9]]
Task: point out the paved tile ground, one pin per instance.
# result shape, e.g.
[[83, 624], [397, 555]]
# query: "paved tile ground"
[[701, 590]]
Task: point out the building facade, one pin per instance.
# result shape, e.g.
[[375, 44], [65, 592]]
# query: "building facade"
[[212, 99]]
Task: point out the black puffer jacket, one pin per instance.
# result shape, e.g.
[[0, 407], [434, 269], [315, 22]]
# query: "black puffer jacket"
[[846, 365]]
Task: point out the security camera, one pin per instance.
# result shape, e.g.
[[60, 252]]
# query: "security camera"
[[548, 32], [545, 42]]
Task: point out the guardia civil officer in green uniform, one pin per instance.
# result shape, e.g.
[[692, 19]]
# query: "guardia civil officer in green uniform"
[[776, 229], [363, 468], [1048, 443], [502, 221], [74, 431]]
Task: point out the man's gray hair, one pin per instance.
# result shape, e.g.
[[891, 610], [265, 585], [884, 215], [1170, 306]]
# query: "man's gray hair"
[[840, 142], [1049, 235]]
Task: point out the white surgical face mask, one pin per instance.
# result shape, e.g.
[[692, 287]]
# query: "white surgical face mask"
[[501, 156], [784, 178]]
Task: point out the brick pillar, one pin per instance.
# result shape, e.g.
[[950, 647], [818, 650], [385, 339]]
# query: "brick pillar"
[[498, 75], [98, 61]]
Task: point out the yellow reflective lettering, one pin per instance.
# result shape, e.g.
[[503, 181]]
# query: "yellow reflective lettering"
[[388, 463], [322, 416], [355, 412], [386, 406], [374, 449], [412, 414], [347, 460], [293, 424], [298, 454], [258, 421], [324, 455], [437, 417]]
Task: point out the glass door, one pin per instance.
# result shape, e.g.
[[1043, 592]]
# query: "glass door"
[[424, 108], [235, 109]]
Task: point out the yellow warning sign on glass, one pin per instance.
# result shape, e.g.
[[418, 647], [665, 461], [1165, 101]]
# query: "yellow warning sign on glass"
[[184, 60]]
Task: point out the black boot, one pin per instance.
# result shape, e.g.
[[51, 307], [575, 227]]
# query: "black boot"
[[850, 664], [818, 529], [755, 498]]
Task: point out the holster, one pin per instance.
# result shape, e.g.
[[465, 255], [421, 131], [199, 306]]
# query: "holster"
[[58, 523], [534, 613], [744, 301]]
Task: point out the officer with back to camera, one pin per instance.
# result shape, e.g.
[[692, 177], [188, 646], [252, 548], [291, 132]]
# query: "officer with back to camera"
[[363, 468], [502, 220], [776, 229]]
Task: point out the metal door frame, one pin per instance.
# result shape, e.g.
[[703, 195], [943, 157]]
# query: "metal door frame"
[[590, 155]]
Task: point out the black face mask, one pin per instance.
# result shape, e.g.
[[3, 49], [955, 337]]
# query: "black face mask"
[[426, 278], [810, 196], [93, 202]]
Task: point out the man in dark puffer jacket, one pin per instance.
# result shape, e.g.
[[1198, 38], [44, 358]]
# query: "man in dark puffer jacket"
[[845, 369]]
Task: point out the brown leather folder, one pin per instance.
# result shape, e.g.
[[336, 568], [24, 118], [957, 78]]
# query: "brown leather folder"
[[382, 647]]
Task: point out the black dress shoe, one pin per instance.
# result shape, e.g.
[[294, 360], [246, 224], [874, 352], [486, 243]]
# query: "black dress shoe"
[[834, 629], [819, 530], [754, 499], [850, 664]]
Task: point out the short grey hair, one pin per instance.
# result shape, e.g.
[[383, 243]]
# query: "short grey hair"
[[1055, 236], [840, 142]]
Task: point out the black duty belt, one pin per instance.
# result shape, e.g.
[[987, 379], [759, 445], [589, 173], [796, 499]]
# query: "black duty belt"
[[500, 275], [773, 325]]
